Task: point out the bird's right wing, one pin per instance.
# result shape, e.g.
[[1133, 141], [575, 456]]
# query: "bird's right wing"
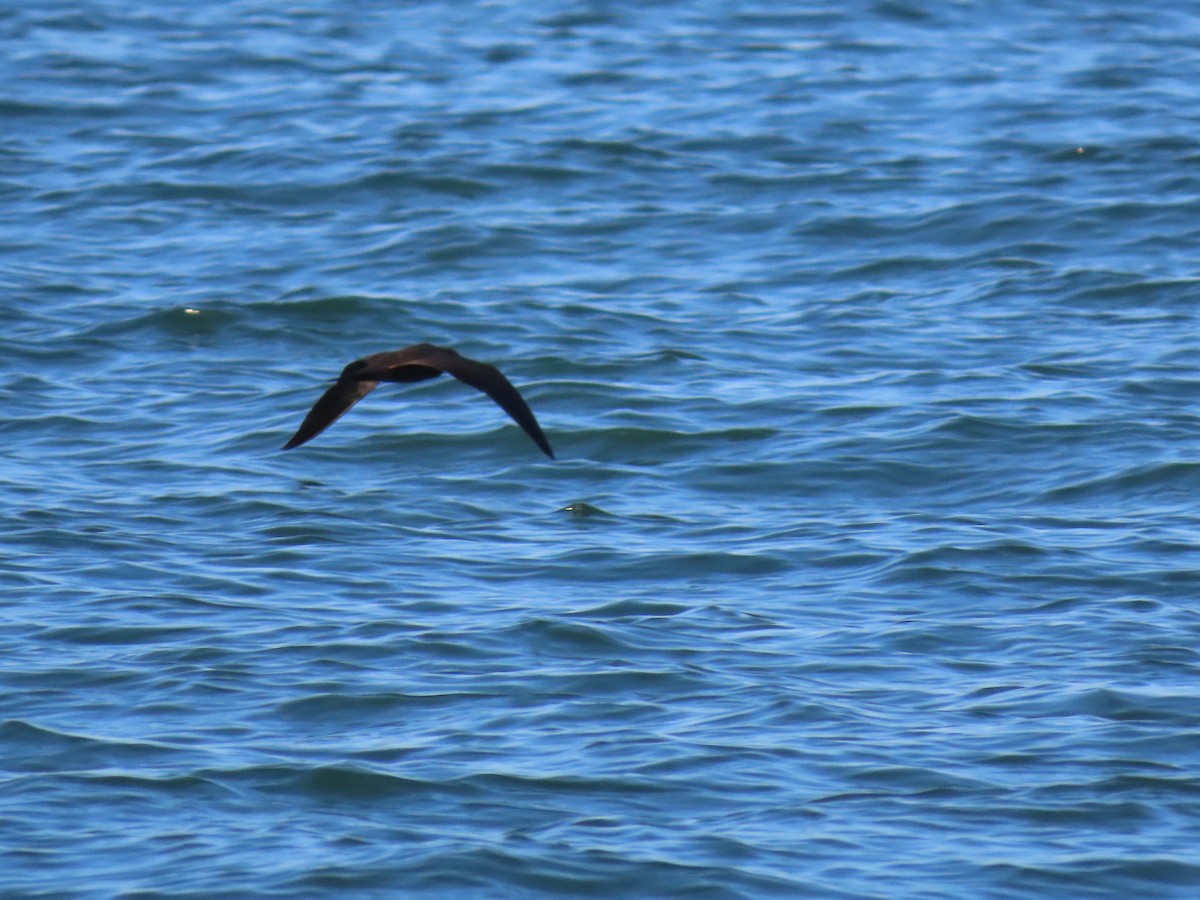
[[484, 378]]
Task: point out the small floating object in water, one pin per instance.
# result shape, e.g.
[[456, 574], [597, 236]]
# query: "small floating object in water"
[[582, 510], [419, 362]]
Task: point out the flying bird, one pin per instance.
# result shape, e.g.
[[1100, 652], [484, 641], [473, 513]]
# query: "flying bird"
[[419, 362]]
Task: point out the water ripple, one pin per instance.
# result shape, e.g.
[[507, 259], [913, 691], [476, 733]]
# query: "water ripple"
[[864, 337]]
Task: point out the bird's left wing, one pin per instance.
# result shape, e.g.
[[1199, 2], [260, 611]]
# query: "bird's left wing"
[[334, 404]]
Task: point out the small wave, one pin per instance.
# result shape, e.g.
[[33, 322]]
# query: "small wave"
[[37, 748], [1174, 478], [176, 322], [404, 180], [343, 782]]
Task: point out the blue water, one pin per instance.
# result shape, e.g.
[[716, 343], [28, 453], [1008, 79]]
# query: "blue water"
[[867, 338]]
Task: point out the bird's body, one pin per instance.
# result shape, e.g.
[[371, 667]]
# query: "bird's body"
[[419, 362]]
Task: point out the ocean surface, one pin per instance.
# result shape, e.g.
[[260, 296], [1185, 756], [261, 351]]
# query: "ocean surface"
[[867, 335]]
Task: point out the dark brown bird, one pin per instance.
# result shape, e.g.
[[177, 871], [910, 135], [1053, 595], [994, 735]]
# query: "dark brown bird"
[[416, 363]]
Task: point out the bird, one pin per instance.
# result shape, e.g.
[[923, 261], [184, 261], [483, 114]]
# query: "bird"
[[419, 362]]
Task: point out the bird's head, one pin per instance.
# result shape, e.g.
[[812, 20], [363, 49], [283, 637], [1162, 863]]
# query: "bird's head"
[[355, 370]]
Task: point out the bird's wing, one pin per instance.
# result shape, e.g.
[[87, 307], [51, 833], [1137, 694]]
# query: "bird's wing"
[[333, 404], [484, 378]]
